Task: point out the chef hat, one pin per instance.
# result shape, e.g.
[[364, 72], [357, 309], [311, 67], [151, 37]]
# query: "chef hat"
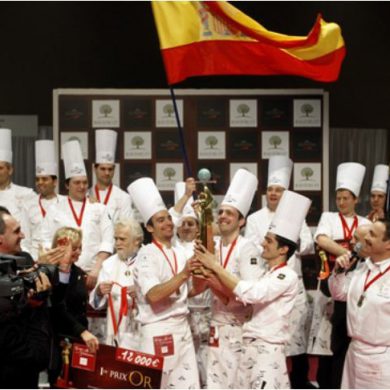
[[188, 212], [73, 159], [379, 180], [6, 145], [45, 158], [105, 143], [279, 171], [289, 216], [241, 191], [146, 197], [350, 177]]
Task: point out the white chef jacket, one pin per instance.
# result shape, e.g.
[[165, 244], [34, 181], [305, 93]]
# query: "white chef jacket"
[[370, 322], [257, 227], [246, 264], [98, 232], [151, 269], [13, 198], [31, 221], [118, 205], [272, 297], [120, 271], [330, 225], [321, 327]]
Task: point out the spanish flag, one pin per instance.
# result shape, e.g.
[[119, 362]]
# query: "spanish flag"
[[202, 38]]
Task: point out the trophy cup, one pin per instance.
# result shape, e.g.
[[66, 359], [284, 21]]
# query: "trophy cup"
[[204, 210]]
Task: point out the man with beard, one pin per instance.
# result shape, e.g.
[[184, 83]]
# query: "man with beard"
[[115, 282]]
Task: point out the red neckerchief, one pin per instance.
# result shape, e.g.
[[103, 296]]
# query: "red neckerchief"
[[348, 232], [124, 307], [78, 219], [159, 246], [284, 264], [227, 258], [107, 198]]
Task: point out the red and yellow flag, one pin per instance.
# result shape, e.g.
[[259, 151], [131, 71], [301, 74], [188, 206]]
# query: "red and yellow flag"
[[202, 38]]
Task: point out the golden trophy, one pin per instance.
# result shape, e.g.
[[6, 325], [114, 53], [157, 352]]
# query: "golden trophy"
[[205, 211]]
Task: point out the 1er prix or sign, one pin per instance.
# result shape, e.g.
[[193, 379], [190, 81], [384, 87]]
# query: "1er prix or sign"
[[110, 367]]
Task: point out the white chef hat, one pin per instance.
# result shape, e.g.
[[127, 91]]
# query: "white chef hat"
[[105, 143], [188, 212], [289, 215], [146, 197], [379, 180], [45, 158], [73, 159], [6, 145], [350, 177], [279, 171], [241, 191]]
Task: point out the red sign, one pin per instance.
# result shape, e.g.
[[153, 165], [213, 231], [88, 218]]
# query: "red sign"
[[82, 358], [163, 345], [111, 368]]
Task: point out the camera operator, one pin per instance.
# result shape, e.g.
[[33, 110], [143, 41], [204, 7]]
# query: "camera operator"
[[24, 322]]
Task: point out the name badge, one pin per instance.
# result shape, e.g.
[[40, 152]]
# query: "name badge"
[[164, 345], [213, 337]]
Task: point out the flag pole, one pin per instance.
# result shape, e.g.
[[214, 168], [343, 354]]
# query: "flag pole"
[[181, 135]]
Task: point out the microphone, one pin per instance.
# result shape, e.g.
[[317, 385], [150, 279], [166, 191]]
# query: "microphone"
[[354, 257]]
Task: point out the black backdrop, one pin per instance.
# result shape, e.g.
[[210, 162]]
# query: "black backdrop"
[[47, 45]]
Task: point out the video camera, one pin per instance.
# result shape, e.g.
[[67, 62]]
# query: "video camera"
[[14, 280]]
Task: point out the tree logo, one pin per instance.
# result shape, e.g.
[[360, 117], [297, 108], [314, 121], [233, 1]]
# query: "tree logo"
[[275, 141], [307, 109], [137, 141], [307, 172], [105, 109], [211, 141], [168, 109], [169, 172], [243, 109]]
